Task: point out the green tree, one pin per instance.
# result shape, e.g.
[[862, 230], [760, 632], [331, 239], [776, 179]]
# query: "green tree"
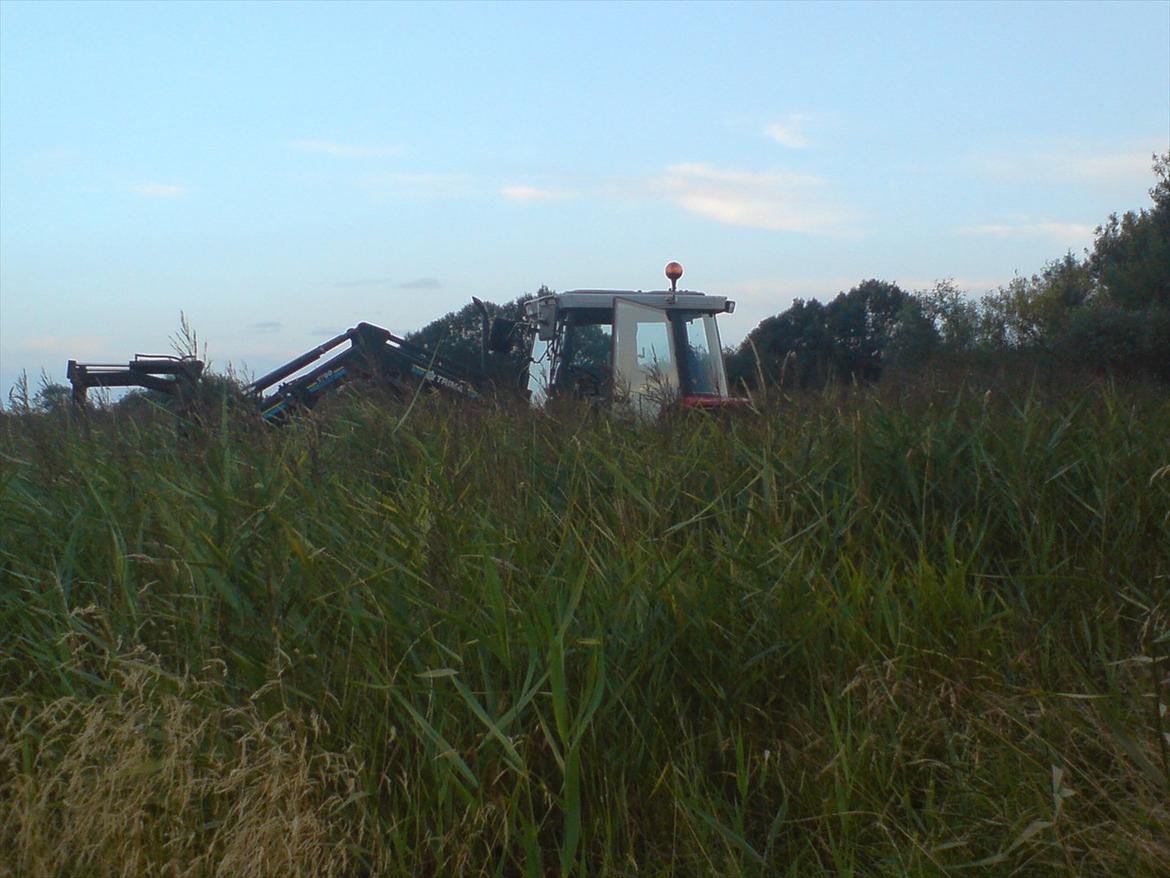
[[457, 337], [1032, 313], [52, 397], [811, 342], [1105, 337], [1131, 253], [913, 339], [953, 315], [860, 323], [790, 348]]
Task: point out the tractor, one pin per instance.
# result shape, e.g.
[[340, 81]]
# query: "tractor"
[[637, 351]]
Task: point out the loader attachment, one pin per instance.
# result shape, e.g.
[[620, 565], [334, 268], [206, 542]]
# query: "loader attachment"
[[373, 353], [175, 376]]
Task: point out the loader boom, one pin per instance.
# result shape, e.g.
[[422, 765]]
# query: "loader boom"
[[174, 376], [373, 353]]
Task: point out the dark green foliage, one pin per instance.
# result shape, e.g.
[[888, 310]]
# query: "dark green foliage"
[[1106, 313], [53, 397], [859, 325], [810, 343], [913, 339], [1118, 341], [455, 336], [458, 338], [1032, 313], [1131, 256], [796, 339]]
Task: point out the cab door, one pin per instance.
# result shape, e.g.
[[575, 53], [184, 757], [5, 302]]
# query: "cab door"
[[645, 365]]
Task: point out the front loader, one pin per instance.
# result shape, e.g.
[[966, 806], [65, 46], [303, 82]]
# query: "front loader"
[[374, 354]]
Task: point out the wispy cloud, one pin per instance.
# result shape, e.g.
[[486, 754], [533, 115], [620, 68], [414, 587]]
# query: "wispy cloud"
[[969, 285], [55, 160], [421, 283], [418, 283], [346, 150], [364, 282], [421, 184], [774, 200], [1064, 233], [764, 288], [266, 326], [789, 131], [1068, 166], [159, 190], [535, 193], [58, 154], [65, 346]]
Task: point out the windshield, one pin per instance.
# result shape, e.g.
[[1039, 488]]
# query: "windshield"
[[704, 358], [584, 368]]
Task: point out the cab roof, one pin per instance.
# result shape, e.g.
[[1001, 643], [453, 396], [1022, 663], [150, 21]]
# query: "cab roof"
[[689, 300]]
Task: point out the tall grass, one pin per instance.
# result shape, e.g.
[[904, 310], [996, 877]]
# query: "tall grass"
[[844, 635]]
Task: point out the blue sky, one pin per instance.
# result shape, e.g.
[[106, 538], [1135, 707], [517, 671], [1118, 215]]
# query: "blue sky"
[[280, 172]]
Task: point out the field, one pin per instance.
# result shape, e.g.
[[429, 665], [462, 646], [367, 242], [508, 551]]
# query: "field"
[[920, 632]]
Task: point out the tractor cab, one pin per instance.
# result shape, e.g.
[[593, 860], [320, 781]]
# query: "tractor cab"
[[634, 349]]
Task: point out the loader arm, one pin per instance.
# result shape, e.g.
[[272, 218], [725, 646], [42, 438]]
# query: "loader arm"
[[174, 376], [373, 353]]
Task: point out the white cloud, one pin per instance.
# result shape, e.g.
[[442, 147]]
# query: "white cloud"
[[346, 150], [991, 230], [421, 283], [535, 193], [704, 171], [65, 347], [789, 131], [364, 282], [772, 199], [763, 200], [969, 285], [1065, 233], [1069, 166], [424, 184], [159, 190], [52, 161]]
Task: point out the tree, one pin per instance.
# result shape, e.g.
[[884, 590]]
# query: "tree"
[[1104, 337], [791, 347], [458, 338], [913, 339], [1033, 312], [52, 397], [954, 317], [811, 342], [1131, 253], [860, 323]]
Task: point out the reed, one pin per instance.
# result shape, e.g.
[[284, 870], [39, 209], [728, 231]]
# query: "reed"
[[850, 633]]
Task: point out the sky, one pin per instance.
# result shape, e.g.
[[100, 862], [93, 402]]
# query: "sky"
[[280, 172]]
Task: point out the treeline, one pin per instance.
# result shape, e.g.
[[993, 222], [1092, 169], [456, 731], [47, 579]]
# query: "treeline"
[[1105, 312]]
